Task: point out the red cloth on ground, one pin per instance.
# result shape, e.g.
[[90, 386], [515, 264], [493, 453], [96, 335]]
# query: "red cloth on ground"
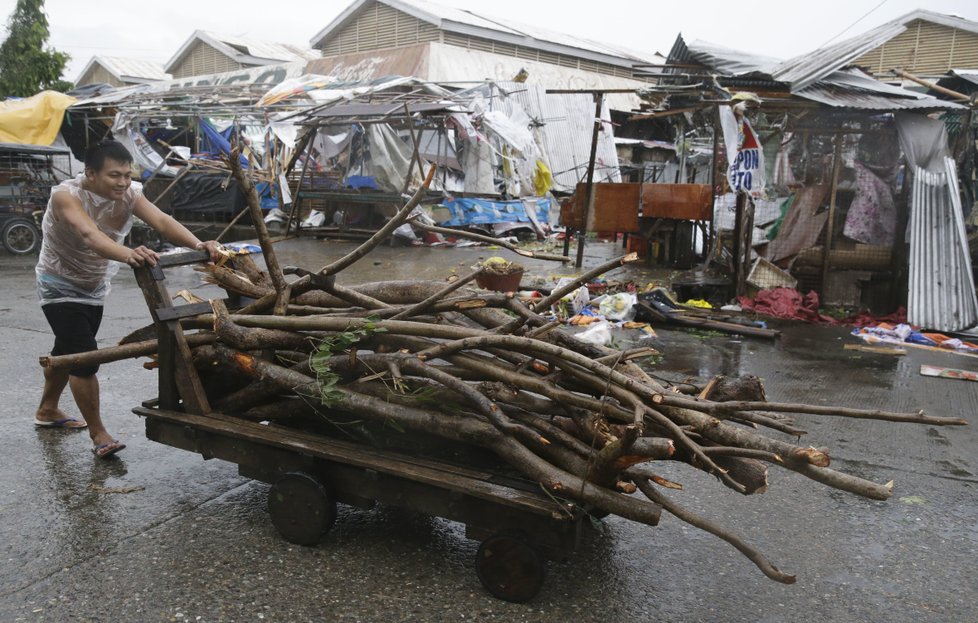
[[866, 319], [786, 303]]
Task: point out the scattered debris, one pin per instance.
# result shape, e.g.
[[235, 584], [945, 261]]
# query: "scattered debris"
[[100, 489], [879, 350], [948, 373]]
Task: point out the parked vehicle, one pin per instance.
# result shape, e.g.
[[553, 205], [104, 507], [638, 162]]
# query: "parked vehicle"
[[20, 230], [27, 173]]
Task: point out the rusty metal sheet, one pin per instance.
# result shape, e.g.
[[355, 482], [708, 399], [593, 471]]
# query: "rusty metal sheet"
[[689, 202], [615, 207]]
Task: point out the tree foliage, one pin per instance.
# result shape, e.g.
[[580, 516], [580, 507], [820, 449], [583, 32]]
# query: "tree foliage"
[[27, 65]]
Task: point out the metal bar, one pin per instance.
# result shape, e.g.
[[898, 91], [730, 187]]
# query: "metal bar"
[[589, 189], [588, 91]]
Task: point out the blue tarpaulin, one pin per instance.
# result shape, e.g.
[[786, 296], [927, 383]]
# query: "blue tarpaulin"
[[472, 211], [215, 142]]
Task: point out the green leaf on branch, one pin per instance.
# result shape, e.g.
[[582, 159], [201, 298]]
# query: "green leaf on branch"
[[331, 346]]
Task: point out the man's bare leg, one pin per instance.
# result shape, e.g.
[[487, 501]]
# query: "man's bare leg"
[[86, 393], [55, 382]]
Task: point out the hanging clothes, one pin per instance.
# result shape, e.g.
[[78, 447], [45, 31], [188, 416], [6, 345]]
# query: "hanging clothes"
[[872, 215]]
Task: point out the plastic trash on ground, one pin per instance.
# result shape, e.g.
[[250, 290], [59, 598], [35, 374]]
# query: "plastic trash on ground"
[[599, 333], [571, 303], [620, 306], [276, 215]]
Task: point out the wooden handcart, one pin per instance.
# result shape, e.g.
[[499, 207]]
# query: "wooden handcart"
[[519, 525]]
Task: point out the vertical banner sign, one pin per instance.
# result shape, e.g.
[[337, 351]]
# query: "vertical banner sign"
[[745, 171]]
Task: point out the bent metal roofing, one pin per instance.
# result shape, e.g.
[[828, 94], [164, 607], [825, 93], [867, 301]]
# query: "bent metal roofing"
[[838, 88]]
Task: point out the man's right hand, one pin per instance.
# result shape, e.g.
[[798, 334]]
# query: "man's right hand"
[[141, 256]]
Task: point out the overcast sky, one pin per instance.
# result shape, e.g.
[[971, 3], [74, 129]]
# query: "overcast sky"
[[154, 31]]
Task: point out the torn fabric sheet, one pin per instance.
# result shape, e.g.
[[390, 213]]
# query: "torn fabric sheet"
[[802, 224]]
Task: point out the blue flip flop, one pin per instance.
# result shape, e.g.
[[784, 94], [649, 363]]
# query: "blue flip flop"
[[107, 449], [62, 423]]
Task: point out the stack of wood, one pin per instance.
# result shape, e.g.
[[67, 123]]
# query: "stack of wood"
[[492, 370]]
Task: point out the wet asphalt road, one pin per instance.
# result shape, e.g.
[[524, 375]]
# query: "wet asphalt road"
[[162, 535]]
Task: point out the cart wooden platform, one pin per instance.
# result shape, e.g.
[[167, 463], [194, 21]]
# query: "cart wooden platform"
[[519, 525]]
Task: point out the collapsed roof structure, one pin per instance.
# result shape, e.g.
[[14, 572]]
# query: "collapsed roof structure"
[[839, 197]]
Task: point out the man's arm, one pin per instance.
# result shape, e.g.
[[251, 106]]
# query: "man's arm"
[[171, 229], [69, 209]]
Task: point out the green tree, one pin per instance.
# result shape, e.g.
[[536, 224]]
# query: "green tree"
[[26, 64]]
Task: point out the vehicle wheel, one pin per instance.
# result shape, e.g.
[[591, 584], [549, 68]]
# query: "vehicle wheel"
[[21, 236], [301, 508], [509, 567]]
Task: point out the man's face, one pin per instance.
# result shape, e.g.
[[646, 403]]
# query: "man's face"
[[112, 181]]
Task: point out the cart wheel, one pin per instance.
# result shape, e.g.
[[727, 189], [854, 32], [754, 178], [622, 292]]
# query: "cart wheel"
[[302, 510], [509, 567], [20, 236]]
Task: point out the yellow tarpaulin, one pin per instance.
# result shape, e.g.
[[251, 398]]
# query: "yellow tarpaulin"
[[33, 120]]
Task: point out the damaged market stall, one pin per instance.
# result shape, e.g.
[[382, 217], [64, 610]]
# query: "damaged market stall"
[[821, 181], [499, 148], [360, 147], [179, 137]]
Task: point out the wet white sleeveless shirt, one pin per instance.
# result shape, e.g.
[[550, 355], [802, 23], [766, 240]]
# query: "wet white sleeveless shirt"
[[67, 270]]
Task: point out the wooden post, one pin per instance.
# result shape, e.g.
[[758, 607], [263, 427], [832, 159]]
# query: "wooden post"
[[589, 188], [830, 221], [715, 192], [294, 214]]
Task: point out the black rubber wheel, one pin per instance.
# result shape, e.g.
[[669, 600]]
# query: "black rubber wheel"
[[21, 236], [301, 508], [509, 567]]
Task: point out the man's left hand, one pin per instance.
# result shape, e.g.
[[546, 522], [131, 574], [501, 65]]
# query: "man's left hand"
[[214, 248]]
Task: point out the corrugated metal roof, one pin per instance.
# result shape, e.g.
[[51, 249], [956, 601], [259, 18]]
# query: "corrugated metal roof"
[[855, 79], [281, 52], [941, 288], [245, 50], [843, 98], [810, 68], [853, 89], [127, 69], [807, 69], [729, 62], [133, 68], [848, 88], [485, 25]]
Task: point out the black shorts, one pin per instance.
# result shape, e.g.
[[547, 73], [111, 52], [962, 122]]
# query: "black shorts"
[[74, 326]]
